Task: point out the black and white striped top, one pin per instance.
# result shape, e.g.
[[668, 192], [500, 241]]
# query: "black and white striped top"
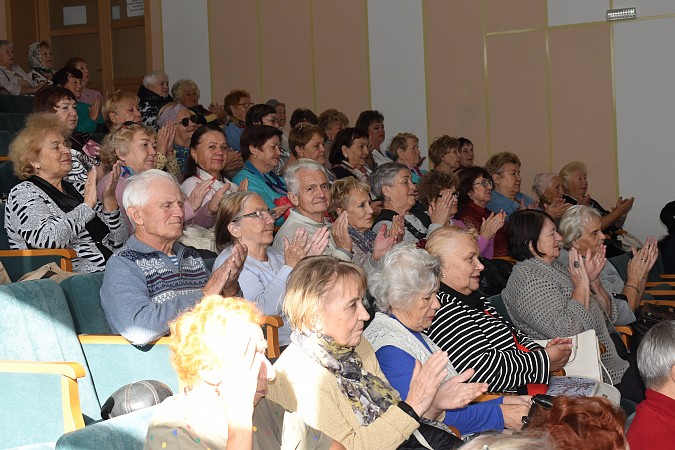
[[476, 336]]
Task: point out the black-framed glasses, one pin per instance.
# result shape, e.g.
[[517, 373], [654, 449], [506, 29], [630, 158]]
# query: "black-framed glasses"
[[185, 121], [485, 183], [260, 214]]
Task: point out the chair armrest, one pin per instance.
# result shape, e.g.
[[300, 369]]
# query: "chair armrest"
[[116, 339], [625, 331], [669, 302], [668, 276], [659, 283], [271, 325], [66, 254], [505, 258], [70, 393]]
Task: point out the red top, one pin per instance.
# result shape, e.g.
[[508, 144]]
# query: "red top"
[[472, 215], [654, 423]]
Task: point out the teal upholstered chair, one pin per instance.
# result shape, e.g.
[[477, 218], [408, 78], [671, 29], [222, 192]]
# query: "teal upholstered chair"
[[83, 295], [125, 432], [38, 334], [498, 302]]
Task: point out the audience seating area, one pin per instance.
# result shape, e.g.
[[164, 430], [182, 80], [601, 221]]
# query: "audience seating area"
[[59, 363]]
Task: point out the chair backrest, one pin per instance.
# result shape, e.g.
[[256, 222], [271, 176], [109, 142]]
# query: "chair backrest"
[[36, 325], [114, 362], [7, 179], [83, 295], [12, 121], [498, 302], [5, 140], [16, 103], [125, 432]]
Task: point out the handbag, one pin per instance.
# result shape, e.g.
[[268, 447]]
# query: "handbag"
[[429, 437], [199, 237], [649, 315], [50, 270], [585, 357]]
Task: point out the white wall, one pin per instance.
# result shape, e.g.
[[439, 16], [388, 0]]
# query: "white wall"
[[397, 80], [186, 43], [645, 109]]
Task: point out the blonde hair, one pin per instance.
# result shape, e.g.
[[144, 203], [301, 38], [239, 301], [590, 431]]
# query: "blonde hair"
[[112, 102], [342, 190], [496, 161], [440, 236], [310, 285], [200, 337], [118, 139], [26, 147], [569, 168]]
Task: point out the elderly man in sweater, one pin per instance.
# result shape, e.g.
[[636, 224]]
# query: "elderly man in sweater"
[[153, 278]]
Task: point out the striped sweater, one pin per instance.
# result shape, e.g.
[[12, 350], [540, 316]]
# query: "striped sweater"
[[481, 339]]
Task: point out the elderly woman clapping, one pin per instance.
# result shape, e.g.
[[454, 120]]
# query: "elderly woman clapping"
[[549, 190], [353, 196], [243, 218], [547, 299], [473, 333], [133, 146], [330, 376], [581, 229], [404, 287], [45, 211], [392, 183], [218, 352]]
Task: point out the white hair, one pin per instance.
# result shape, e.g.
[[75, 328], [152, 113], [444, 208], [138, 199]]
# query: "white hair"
[[541, 183], [405, 273], [656, 354], [151, 77], [137, 187], [573, 222], [291, 174]]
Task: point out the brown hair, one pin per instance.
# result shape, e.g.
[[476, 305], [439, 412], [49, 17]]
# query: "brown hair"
[[441, 146]]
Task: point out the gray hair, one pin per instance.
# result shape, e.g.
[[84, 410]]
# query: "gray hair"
[[656, 354], [569, 168], [384, 175], [573, 222], [151, 77], [136, 188], [181, 85], [541, 182], [402, 276], [291, 174], [509, 440]]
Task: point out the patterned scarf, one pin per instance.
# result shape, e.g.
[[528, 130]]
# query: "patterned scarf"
[[369, 395], [363, 240]]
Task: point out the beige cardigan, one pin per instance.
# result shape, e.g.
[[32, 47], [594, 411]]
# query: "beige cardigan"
[[302, 385]]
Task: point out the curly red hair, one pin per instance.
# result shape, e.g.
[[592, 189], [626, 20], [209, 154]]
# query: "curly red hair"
[[591, 423]]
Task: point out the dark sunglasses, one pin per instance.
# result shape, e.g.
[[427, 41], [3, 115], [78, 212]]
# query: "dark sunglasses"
[[197, 120]]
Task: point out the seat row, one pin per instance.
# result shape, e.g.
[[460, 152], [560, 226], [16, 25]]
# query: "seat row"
[[59, 363]]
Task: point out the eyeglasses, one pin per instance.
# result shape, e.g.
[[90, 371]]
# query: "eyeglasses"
[[260, 214], [485, 183], [273, 120], [245, 105], [454, 194], [185, 121]]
